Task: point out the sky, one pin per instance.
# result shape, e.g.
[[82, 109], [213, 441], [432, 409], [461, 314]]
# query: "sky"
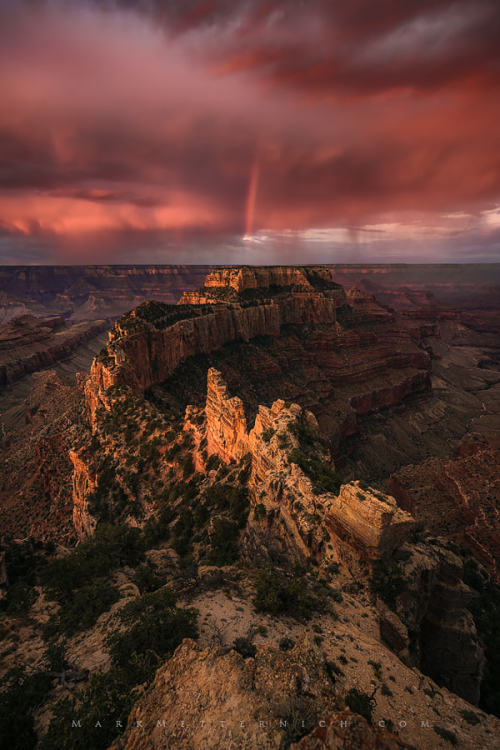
[[249, 131]]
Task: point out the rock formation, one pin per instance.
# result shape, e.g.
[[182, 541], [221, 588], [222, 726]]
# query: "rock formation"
[[371, 524], [220, 493], [358, 358], [242, 703], [29, 344], [91, 292], [458, 496]]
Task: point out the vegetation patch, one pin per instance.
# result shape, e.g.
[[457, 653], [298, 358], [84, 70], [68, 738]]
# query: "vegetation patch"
[[322, 477], [387, 581], [79, 581], [157, 628], [279, 594], [360, 703], [21, 694], [450, 737]]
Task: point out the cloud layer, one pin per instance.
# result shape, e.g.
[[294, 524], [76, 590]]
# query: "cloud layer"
[[153, 130]]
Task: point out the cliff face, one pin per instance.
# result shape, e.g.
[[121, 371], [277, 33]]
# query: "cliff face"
[[35, 467], [29, 344], [144, 352], [319, 336], [243, 278], [355, 523], [458, 496], [84, 484], [220, 711], [91, 292]]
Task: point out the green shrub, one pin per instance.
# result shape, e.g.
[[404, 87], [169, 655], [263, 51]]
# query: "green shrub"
[[183, 533], [20, 696], [387, 582], [223, 542], [286, 644], [104, 702], [450, 737], [22, 560], [157, 528], [83, 609], [322, 477], [111, 547], [245, 647], [79, 580], [187, 466], [146, 579], [278, 594], [470, 717], [259, 511], [360, 703], [158, 627]]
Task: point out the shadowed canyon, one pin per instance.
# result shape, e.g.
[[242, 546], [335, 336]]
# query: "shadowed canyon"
[[250, 507]]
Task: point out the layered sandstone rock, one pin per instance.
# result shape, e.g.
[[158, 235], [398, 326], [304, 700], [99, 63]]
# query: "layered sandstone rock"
[[369, 520], [84, 484], [345, 730], [145, 349], [358, 359], [458, 495], [263, 277], [357, 520], [28, 344], [215, 698]]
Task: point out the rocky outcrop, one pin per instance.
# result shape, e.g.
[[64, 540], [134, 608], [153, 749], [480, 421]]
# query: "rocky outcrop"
[[458, 496], [347, 730], [92, 292], [145, 350], [368, 520], [212, 697], [442, 636], [84, 484], [242, 278], [29, 344], [355, 355], [355, 522]]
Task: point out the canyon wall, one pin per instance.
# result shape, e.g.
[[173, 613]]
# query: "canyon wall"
[[29, 344], [368, 523]]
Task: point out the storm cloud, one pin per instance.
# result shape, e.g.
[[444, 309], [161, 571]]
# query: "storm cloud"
[[187, 126]]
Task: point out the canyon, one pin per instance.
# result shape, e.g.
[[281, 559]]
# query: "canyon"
[[312, 474]]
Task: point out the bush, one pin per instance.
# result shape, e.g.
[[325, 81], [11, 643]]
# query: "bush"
[[158, 627], [446, 734], [387, 582], [279, 595], [245, 647], [107, 700], [360, 703], [22, 560], [223, 542], [286, 644], [259, 511], [146, 579], [20, 696], [322, 477], [187, 466], [111, 547], [83, 609], [78, 581]]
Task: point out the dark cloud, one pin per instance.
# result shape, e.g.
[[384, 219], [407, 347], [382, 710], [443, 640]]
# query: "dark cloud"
[[152, 119]]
